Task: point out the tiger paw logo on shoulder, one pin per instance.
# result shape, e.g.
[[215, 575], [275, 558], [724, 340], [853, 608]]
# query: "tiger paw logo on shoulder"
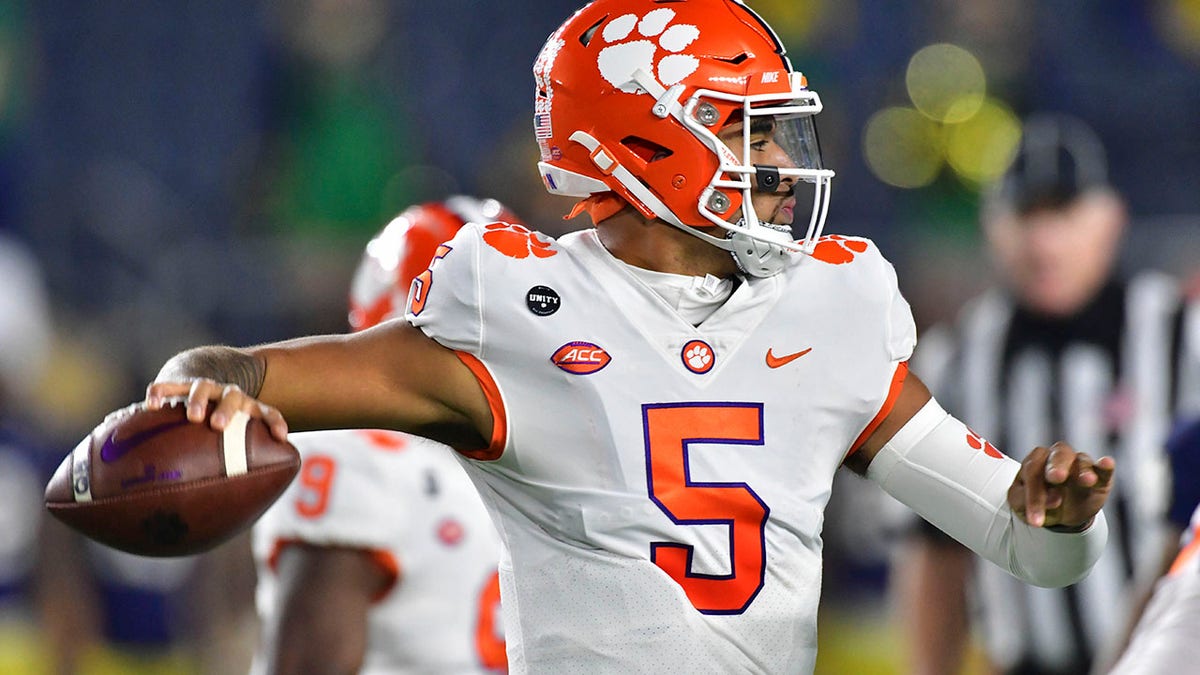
[[838, 250], [516, 241]]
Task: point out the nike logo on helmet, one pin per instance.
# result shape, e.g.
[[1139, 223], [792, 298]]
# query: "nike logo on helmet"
[[777, 361], [113, 449]]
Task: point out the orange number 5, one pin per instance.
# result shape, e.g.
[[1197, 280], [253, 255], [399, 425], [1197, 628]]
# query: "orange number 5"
[[316, 477], [669, 429]]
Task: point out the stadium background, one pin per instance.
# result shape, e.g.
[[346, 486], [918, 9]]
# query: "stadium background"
[[187, 173]]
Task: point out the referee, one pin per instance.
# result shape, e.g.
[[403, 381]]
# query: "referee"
[[1064, 348]]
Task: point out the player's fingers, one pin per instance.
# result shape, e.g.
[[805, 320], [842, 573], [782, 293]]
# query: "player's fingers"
[[1082, 471], [1059, 462], [1054, 498], [1034, 468], [158, 392], [199, 394], [233, 400], [1105, 469], [274, 420], [229, 399]]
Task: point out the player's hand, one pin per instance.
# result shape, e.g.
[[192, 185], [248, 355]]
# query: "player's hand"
[[1058, 486], [227, 399]]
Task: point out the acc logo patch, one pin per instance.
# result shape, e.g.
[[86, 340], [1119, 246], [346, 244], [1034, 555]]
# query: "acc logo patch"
[[580, 358]]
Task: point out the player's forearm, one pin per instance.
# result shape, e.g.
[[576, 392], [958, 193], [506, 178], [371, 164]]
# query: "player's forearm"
[[306, 379], [963, 491], [222, 364], [388, 377], [323, 599]]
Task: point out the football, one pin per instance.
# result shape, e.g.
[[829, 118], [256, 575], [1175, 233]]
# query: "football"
[[152, 483]]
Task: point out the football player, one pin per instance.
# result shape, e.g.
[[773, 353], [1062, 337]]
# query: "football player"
[[1164, 639], [654, 409], [380, 557]]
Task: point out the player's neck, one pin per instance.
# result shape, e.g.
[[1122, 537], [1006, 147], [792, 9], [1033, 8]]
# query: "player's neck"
[[656, 245]]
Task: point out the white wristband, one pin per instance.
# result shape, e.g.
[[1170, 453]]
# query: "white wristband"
[[929, 466]]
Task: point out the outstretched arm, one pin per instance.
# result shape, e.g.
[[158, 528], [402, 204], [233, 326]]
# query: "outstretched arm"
[[391, 377]]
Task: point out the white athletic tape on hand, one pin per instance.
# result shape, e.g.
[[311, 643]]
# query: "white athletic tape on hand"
[[234, 444]]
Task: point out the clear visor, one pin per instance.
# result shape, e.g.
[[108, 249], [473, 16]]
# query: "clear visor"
[[796, 136], [786, 143]]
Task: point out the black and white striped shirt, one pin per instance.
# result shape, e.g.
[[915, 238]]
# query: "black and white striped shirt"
[[1109, 380]]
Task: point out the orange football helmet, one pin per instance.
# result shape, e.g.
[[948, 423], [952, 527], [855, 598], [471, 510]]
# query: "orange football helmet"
[[631, 95], [404, 248]]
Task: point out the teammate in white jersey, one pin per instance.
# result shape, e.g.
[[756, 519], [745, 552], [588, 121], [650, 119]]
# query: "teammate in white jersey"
[[380, 558], [1164, 639], [653, 410]]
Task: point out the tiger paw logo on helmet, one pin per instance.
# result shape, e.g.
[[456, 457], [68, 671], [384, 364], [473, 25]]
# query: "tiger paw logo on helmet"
[[515, 241], [618, 60], [838, 250]]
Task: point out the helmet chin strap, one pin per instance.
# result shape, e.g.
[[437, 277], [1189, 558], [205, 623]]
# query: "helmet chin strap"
[[760, 258], [753, 255]]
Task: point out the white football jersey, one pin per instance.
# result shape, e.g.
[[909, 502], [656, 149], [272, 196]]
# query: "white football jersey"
[[406, 500], [1165, 638], [660, 487]]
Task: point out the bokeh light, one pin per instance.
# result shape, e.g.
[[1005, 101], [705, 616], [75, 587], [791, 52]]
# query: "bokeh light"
[[902, 147], [1179, 23], [981, 148], [952, 122], [796, 20], [946, 83]]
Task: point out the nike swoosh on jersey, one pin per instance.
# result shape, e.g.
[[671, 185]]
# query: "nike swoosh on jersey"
[[777, 361], [113, 449]]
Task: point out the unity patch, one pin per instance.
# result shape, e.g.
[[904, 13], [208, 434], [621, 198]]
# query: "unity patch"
[[542, 300]]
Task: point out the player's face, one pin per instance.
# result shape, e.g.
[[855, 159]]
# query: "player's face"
[[1056, 260], [775, 207]]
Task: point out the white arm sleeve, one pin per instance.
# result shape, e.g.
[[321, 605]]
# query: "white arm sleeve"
[[930, 467]]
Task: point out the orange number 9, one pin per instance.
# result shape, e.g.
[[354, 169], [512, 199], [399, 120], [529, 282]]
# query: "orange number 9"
[[316, 477]]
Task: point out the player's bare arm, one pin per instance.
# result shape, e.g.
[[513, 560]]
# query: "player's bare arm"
[[913, 396], [325, 595], [391, 376]]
